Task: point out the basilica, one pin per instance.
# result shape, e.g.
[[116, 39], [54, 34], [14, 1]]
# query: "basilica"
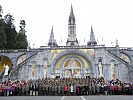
[[70, 61]]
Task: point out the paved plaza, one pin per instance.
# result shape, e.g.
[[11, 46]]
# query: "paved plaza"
[[67, 98]]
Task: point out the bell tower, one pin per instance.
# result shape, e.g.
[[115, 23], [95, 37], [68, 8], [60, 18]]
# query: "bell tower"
[[72, 40]]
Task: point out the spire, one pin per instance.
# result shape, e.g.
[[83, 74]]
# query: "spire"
[[52, 30], [92, 41], [71, 12], [71, 17], [52, 41], [72, 40], [91, 29], [92, 36]]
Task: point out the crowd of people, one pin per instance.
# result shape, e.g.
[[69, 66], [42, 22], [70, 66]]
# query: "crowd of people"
[[65, 86]]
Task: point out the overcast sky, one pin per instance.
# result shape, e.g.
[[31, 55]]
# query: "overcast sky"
[[110, 19]]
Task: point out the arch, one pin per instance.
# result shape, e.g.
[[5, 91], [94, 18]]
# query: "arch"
[[87, 57], [21, 58], [125, 57], [4, 60]]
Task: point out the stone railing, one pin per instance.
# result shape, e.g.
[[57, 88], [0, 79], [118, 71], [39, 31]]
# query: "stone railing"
[[13, 51]]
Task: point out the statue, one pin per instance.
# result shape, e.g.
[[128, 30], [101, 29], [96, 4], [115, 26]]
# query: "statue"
[[116, 42], [45, 69], [100, 69], [22, 26], [6, 69], [112, 71], [33, 71]]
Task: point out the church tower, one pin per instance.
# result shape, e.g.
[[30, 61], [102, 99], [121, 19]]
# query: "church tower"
[[52, 41], [92, 41], [72, 40]]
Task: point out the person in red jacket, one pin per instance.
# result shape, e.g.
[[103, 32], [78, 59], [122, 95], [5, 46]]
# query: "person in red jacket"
[[119, 89], [65, 89], [112, 89]]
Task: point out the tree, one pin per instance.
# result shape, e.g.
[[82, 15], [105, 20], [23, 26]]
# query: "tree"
[[21, 41], [10, 31], [9, 20], [3, 37], [11, 37], [1, 11]]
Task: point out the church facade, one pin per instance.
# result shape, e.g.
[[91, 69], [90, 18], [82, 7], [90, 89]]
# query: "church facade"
[[72, 60]]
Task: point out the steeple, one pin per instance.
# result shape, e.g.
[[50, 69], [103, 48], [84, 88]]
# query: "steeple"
[[72, 40], [92, 41], [52, 41], [71, 16]]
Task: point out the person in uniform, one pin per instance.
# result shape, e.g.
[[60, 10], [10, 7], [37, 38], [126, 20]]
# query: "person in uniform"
[[27, 89]]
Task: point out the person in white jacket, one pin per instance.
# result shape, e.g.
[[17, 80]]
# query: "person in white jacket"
[[71, 89]]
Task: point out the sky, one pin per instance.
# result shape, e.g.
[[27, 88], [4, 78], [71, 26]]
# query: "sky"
[[110, 19]]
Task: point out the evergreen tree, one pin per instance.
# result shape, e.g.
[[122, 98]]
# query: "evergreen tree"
[[3, 37], [10, 31], [11, 37], [1, 11], [2, 32]]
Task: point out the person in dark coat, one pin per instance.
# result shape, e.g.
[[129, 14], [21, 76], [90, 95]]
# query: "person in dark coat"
[[31, 89], [46, 86], [56, 89], [36, 89], [77, 90]]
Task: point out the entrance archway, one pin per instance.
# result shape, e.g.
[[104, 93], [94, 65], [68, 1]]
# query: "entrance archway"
[[79, 57], [4, 60]]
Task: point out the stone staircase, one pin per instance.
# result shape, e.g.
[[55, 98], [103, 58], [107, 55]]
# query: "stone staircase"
[[21, 64], [123, 61]]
